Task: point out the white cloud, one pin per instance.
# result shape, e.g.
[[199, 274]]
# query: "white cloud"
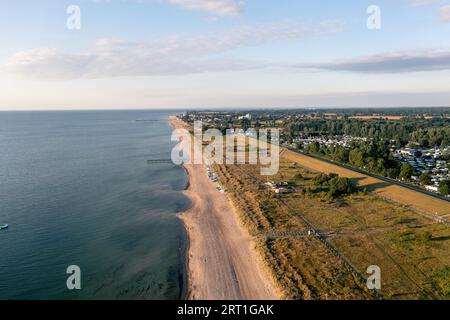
[[444, 13], [397, 62], [215, 7], [424, 2], [172, 55], [218, 7]]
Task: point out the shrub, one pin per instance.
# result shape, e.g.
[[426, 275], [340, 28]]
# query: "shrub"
[[340, 186], [321, 179]]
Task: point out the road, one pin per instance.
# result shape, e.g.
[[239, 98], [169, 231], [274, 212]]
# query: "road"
[[401, 184]]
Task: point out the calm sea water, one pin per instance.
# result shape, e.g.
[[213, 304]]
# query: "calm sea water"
[[76, 189]]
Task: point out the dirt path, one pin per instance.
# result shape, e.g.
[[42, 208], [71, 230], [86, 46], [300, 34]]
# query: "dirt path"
[[222, 262]]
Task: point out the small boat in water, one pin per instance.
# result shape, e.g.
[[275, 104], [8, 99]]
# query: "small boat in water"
[[4, 226]]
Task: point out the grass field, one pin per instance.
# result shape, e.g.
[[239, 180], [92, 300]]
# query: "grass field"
[[412, 251], [301, 265], [410, 198]]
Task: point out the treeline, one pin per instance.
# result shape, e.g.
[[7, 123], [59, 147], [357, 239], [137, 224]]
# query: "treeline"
[[427, 132], [373, 156], [348, 112], [404, 112], [432, 137]]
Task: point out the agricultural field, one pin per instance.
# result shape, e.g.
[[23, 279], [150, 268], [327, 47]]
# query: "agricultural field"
[[377, 117]]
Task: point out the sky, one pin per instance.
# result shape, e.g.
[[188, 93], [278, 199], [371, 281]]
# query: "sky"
[[182, 54]]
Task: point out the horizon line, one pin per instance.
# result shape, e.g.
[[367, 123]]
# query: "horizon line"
[[222, 108]]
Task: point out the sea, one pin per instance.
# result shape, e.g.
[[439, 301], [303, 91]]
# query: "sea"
[[76, 190]]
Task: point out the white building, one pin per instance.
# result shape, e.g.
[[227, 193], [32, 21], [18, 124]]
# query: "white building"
[[432, 188]]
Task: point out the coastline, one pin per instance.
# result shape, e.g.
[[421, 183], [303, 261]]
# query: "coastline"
[[184, 292], [184, 242], [221, 260]]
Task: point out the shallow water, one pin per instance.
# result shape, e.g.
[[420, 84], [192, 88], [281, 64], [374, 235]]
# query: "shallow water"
[[76, 189]]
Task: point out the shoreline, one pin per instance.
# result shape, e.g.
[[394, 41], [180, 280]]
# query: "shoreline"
[[184, 292], [221, 261], [183, 262], [184, 238]]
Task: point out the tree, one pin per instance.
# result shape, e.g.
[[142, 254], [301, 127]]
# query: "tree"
[[393, 173], [425, 179], [406, 171], [340, 186], [314, 147], [356, 158], [444, 187]]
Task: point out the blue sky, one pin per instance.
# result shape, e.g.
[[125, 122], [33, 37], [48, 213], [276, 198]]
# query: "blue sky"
[[223, 54]]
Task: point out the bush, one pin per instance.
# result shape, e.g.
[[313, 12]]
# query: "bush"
[[340, 186], [335, 185], [321, 179]]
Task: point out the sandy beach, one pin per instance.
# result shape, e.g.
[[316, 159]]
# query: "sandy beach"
[[222, 262]]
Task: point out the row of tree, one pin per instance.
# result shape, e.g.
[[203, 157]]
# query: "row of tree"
[[426, 132], [373, 156]]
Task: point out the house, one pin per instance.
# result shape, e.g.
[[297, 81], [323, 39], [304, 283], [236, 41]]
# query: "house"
[[432, 188]]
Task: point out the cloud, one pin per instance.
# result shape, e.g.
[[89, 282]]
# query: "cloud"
[[215, 7], [218, 7], [171, 55], [444, 13], [361, 99], [417, 3], [399, 62], [107, 59]]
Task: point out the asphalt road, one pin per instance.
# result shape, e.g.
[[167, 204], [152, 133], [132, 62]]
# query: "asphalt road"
[[401, 184]]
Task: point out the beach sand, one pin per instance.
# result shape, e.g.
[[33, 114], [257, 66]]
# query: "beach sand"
[[222, 261]]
